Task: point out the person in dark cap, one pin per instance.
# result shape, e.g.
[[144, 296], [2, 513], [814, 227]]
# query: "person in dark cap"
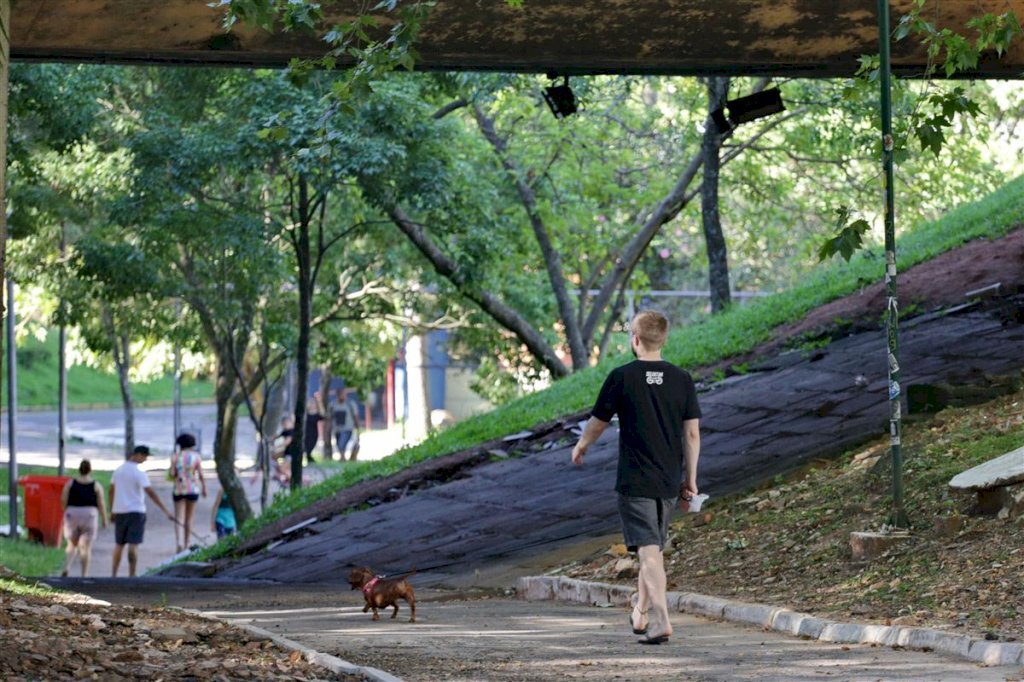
[[129, 487]]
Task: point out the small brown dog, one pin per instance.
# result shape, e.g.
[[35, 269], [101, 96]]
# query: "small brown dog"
[[381, 593]]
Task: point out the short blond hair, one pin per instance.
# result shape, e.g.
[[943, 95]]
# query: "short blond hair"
[[651, 327]]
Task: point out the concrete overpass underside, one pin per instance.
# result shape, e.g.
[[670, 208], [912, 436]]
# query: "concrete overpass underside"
[[817, 38]]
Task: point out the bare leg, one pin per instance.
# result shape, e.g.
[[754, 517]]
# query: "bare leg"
[[643, 602], [117, 559], [85, 554], [69, 557], [652, 579], [179, 515], [190, 510], [133, 559]]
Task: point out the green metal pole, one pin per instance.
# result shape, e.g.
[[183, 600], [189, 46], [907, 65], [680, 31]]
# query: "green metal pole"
[[899, 514]]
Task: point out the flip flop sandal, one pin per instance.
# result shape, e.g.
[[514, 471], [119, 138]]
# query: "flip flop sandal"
[[636, 630], [660, 639]]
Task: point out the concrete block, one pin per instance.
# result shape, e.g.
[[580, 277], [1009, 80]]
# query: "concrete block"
[[811, 627], [866, 546], [784, 620], [936, 640], [995, 653], [1001, 471], [755, 614], [598, 594], [878, 634], [620, 595], [702, 605], [891, 635], [568, 589], [842, 633], [535, 588]]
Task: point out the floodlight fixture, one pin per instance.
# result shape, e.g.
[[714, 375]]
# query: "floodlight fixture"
[[755, 106], [561, 99], [749, 108]]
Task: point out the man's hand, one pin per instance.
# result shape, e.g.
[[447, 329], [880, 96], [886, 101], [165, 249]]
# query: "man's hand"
[[591, 432], [688, 490]]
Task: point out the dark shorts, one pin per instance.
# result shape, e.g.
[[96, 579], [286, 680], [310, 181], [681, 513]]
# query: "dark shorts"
[[191, 497], [645, 520], [222, 530], [128, 528]]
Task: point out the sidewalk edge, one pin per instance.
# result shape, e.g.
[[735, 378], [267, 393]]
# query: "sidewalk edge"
[[779, 619], [332, 663]]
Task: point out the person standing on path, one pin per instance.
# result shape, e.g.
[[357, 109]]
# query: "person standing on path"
[[659, 441], [187, 474], [82, 500], [129, 487], [345, 420], [311, 433]]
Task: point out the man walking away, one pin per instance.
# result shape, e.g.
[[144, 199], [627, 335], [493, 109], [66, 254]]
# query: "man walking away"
[[659, 421], [129, 487], [345, 420]]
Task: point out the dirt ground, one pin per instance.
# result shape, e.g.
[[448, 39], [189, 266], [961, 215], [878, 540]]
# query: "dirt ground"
[[941, 282], [62, 636], [938, 283]]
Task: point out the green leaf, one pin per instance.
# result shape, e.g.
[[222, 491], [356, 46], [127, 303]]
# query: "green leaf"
[[848, 238]]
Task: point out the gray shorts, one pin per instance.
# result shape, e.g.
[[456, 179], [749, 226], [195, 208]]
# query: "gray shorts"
[[645, 520], [128, 528]]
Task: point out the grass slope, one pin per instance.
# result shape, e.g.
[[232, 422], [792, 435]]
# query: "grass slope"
[[87, 387], [736, 331]]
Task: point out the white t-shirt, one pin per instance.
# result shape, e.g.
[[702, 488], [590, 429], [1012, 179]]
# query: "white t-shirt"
[[130, 484]]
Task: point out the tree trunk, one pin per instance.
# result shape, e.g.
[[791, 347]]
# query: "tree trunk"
[[224, 452], [325, 423], [552, 259], [488, 302], [123, 365], [120, 351], [273, 406], [667, 209], [303, 260], [718, 260]]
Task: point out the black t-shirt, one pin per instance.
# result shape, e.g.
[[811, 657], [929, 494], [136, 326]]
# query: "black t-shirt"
[[652, 398]]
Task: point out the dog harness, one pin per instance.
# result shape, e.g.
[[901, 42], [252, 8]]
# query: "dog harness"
[[368, 587]]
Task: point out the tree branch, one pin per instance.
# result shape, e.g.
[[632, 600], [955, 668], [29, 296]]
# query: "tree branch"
[[488, 302]]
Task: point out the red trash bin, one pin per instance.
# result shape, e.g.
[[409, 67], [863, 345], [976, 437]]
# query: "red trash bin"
[[44, 517]]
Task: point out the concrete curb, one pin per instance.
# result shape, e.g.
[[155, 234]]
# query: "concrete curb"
[[783, 620], [332, 663]]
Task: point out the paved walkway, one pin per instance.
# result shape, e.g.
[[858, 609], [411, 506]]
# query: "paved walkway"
[[506, 640], [798, 407]]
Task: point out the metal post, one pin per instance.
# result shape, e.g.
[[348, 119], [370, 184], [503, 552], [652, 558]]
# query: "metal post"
[[12, 412], [62, 374], [177, 385], [5, 54], [899, 515]]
